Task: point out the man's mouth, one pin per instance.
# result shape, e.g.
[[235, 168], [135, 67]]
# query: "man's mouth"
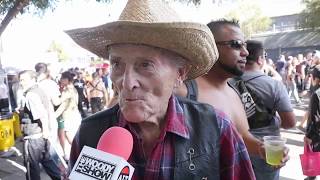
[[132, 99], [243, 61]]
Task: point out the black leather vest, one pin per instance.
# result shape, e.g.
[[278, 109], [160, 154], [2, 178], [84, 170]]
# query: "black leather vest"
[[195, 158]]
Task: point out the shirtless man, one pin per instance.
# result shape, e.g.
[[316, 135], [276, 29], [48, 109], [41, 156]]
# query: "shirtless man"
[[213, 87]]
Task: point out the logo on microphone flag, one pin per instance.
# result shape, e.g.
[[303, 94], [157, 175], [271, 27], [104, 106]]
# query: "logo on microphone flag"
[[93, 164], [95, 168], [124, 174]]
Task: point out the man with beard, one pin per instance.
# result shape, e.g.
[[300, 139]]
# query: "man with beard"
[[213, 88]]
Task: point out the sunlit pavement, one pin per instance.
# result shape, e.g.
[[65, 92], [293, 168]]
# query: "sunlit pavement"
[[12, 168]]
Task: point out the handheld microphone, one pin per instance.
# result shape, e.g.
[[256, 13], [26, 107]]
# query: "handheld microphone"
[[117, 141], [108, 161]]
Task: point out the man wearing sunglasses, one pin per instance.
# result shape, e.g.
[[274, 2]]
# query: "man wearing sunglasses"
[[213, 88]]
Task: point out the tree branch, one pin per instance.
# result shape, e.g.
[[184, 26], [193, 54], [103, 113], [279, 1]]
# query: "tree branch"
[[17, 7]]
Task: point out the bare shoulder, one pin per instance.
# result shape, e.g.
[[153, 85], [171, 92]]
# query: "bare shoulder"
[[238, 114], [234, 96]]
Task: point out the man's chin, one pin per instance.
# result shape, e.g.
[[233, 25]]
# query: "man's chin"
[[238, 73], [134, 116], [233, 70]]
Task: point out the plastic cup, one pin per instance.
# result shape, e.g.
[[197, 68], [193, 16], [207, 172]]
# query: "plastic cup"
[[274, 146]]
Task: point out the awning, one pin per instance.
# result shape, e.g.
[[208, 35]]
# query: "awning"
[[298, 38]]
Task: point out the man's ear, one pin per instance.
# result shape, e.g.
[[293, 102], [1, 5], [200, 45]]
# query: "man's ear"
[[183, 72], [260, 61]]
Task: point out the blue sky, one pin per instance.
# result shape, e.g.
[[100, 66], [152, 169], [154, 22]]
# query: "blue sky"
[[27, 38]]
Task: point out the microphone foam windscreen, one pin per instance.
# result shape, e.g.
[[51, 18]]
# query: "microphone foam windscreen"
[[117, 141]]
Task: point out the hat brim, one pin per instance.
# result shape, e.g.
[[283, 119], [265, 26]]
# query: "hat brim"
[[192, 41]]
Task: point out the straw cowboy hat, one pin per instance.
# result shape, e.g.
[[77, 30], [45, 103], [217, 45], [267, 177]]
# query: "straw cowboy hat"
[[154, 23]]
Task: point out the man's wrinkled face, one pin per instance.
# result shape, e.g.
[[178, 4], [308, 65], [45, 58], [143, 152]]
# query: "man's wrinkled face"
[[144, 78], [232, 50]]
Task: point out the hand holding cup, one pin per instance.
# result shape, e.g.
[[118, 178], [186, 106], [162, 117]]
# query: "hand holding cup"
[[276, 151]]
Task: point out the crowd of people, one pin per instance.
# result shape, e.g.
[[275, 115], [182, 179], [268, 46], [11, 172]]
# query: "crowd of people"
[[175, 86], [295, 72], [55, 104]]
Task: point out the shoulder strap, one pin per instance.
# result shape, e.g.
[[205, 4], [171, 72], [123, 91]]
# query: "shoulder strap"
[[94, 87], [250, 90], [255, 77], [192, 89]]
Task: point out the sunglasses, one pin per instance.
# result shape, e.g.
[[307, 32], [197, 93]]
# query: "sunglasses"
[[235, 44]]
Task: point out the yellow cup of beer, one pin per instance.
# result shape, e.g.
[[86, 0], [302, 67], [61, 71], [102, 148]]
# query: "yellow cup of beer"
[[274, 146]]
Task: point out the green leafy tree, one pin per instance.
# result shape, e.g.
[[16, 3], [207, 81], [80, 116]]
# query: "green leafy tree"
[[61, 53], [310, 15], [250, 17], [11, 8]]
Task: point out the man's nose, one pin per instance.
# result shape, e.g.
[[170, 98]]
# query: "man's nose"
[[130, 80], [244, 51]]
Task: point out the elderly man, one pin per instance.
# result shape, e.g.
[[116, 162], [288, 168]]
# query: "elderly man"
[[151, 53]]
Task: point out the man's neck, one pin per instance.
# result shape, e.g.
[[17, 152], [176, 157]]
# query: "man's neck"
[[150, 132], [216, 77], [252, 67]]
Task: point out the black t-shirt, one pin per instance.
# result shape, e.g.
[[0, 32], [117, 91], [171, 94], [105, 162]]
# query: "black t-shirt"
[[79, 85], [313, 127]]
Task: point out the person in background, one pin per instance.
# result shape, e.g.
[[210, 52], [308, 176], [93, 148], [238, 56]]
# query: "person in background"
[[87, 79], [80, 86], [97, 93], [307, 72], [107, 81], [300, 73], [13, 80], [269, 70], [18, 96], [51, 89], [274, 96], [37, 107], [68, 109], [291, 83], [312, 136], [151, 53], [4, 95], [312, 63]]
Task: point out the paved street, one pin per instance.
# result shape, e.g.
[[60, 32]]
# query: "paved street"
[[12, 168]]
